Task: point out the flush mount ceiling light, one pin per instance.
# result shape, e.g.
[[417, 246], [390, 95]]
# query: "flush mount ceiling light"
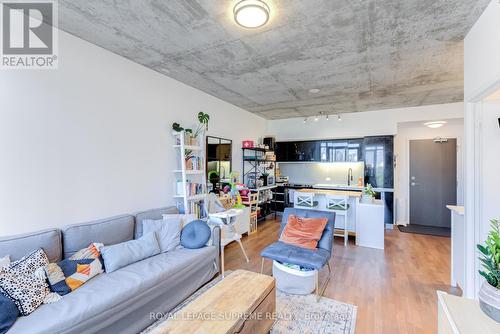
[[435, 124], [314, 90], [251, 13]]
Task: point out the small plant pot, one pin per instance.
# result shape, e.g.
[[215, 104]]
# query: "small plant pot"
[[489, 301], [367, 199]]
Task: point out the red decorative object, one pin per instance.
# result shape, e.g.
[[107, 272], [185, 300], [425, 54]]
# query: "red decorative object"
[[247, 144]]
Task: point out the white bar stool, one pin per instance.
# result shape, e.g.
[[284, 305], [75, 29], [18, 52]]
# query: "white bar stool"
[[340, 205], [305, 200]]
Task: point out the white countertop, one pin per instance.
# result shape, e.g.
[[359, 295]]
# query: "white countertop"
[[376, 202], [346, 187], [457, 209]]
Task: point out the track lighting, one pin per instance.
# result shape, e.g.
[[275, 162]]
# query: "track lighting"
[[339, 118]]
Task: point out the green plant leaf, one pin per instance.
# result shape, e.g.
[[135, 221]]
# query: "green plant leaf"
[[177, 127]]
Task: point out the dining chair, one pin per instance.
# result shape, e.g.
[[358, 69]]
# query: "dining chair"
[[305, 200]]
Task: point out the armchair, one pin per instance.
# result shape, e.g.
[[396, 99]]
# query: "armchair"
[[313, 259]]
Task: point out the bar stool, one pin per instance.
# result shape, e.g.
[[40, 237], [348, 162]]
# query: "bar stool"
[[340, 205], [305, 200]]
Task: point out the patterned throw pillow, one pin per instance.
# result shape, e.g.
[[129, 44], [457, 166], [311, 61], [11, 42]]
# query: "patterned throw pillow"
[[19, 282], [68, 275]]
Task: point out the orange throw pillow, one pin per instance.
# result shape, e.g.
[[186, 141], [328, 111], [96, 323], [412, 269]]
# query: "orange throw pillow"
[[303, 232]]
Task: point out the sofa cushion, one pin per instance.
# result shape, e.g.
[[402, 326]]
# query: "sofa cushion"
[[19, 282], [107, 296], [8, 313], [153, 214], [308, 258], [120, 255], [69, 274], [108, 231], [18, 246], [303, 232], [4, 261], [168, 231], [195, 234]]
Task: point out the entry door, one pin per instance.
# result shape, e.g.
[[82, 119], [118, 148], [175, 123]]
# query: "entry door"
[[433, 181]]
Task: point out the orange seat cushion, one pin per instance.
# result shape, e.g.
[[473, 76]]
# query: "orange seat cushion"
[[303, 232]]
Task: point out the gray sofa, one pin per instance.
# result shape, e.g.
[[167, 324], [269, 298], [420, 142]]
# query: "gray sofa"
[[121, 301]]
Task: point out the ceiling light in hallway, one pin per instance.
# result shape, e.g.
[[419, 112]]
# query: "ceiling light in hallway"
[[251, 13], [435, 124], [314, 90]]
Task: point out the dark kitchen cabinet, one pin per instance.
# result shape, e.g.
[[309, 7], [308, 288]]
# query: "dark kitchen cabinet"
[[297, 151], [350, 150], [379, 161], [281, 151]]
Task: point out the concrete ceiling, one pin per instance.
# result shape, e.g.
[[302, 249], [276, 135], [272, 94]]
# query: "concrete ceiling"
[[362, 54]]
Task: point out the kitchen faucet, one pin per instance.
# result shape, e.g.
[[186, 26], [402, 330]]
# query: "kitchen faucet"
[[349, 177]]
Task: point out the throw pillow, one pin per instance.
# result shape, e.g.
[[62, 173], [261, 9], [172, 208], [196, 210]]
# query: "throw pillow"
[[195, 234], [4, 261], [168, 232], [69, 274], [8, 313], [20, 284], [120, 255], [303, 232]]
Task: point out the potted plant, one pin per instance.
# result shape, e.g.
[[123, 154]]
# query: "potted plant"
[[203, 119], [489, 294], [368, 194], [264, 177]]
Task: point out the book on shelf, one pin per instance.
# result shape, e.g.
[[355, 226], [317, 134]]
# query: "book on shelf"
[[197, 209], [191, 188], [194, 163]]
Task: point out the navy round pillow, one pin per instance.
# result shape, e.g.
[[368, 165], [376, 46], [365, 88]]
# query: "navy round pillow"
[[195, 234]]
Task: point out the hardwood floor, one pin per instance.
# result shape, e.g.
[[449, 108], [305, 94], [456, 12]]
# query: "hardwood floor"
[[394, 289]]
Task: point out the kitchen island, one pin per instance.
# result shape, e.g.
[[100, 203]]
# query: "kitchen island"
[[364, 220]]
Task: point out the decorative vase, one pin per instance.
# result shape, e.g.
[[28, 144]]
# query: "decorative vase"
[[489, 301], [367, 199]]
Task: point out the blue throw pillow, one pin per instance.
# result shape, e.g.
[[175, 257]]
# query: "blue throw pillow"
[[8, 313], [195, 234]]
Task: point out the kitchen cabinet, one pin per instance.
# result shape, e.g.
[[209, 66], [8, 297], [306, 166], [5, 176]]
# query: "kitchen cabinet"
[[347, 150], [379, 165]]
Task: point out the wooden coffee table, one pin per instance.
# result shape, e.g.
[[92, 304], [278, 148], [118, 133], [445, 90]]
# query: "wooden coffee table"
[[243, 302]]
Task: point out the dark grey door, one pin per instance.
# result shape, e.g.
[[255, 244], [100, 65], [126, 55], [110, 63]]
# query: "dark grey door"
[[433, 181]]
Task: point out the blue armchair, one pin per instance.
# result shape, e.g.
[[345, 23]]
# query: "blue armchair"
[[313, 259]]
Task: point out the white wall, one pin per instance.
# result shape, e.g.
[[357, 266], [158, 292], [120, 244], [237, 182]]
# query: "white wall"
[[490, 160], [92, 139], [413, 131], [481, 78], [482, 53], [370, 123]]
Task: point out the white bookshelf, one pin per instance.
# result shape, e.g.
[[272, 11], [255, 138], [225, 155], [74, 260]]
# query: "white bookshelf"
[[188, 176]]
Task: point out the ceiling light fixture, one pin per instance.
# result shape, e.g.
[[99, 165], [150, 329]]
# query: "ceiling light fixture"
[[435, 124], [305, 120], [316, 118], [251, 13], [339, 118], [327, 117], [314, 90]]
